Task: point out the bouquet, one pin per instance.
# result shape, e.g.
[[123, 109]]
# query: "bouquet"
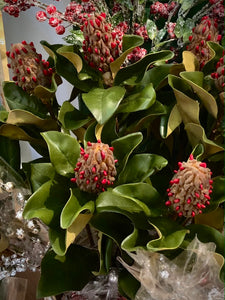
[[131, 166]]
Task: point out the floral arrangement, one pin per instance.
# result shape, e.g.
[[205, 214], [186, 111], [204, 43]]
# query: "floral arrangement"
[[133, 161]]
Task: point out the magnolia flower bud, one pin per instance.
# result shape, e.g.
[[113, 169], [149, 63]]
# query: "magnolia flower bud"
[[95, 169], [190, 188]]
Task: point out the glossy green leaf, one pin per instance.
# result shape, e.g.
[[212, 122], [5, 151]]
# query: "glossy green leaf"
[[3, 115], [17, 98], [196, 135], [141, 166], [136, 240], [65, 273], [68, 52], [151, 29], [76, 204], [22, 118], [109, 131], [171, 235], [128, 285], [41, 173], [218, 194], [195, 79], [90, 134], [10, 152], [64, 151], [114, 225], [105, 251], [216, 53], [124, 146], [57, 238], [71, 118], [45, 93], [103, 102], [188, 108], [139, 68], [207, 234], [170, 122], [144, 195], [139, 101], [129, 43]]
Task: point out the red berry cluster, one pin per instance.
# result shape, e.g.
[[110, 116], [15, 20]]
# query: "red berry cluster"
[[190, 188], [137, 54], [14, 7], [162, 9], [78, 13], [170, 29], [141, 31]]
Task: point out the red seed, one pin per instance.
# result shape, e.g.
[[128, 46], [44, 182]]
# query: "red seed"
[[86, 156], [204, 165], [191, 157], [176, 200], [89, 143], [168, 203], [193, 214], [177, 208], [73, 179]]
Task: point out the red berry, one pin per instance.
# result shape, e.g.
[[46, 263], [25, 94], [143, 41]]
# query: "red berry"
[[41, 16], [53, 22], [60, 29]]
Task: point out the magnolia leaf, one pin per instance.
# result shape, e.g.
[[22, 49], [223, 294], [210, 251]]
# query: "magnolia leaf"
[[108, 133], [141, 166], [40, 173], [102, 103], [10, 152], [17, 98], [76, 205], [89, 135], [171, 235], [218, 195], [16, 133], [67, 51], [69, 272], [129, 43], [47, 94], [3, 115], [190, 61], [136, 240], [195, 79], [105, 251], [114, 225], [139, 68], [196, 135], [216, 53], [64, 151], [213, 219], [188, 108], [170, 122], [144, 195], [151, 29], [139, 101], [124, 146], [128, 285], [76, 227], [57, 238], [22, 117], [71, 118]]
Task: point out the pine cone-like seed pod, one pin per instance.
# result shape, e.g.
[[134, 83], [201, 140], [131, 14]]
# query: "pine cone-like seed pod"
[[203, 32], [28, 68], [100, 44], [95, 168], [190, 188]]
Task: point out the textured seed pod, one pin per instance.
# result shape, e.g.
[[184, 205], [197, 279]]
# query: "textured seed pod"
[[28, 68], [218, 76], [205, 31], [190, 188], [95, 169], [100, 44]]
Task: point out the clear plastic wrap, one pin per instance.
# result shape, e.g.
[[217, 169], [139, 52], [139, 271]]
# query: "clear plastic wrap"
[[194, 274]]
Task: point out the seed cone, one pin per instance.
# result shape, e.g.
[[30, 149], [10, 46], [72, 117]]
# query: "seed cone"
[[205, 31], [28, 68], [218, 76], [190, 188], [101, 45], [95, 169]]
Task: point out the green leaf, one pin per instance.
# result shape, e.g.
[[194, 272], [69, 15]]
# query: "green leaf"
[[188, 108], [103, 102], [196, 135], [216, 53], [141, 166], [124, 146], [195, 79], [171, 235], [109, 131], [57, 238], [78, 203], [129, 43], [71, 118], [218, 195], [139, 101], [151, 29], [22, 118], [143, 194], [17, 98], [68, 52], [139, 68], [64, 151], [41, 173], [48, 94], [10, 152], [105, 250], [136, 240], [65, 273], [170, 122], [206, 234], [114, 225], [128, 285]]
